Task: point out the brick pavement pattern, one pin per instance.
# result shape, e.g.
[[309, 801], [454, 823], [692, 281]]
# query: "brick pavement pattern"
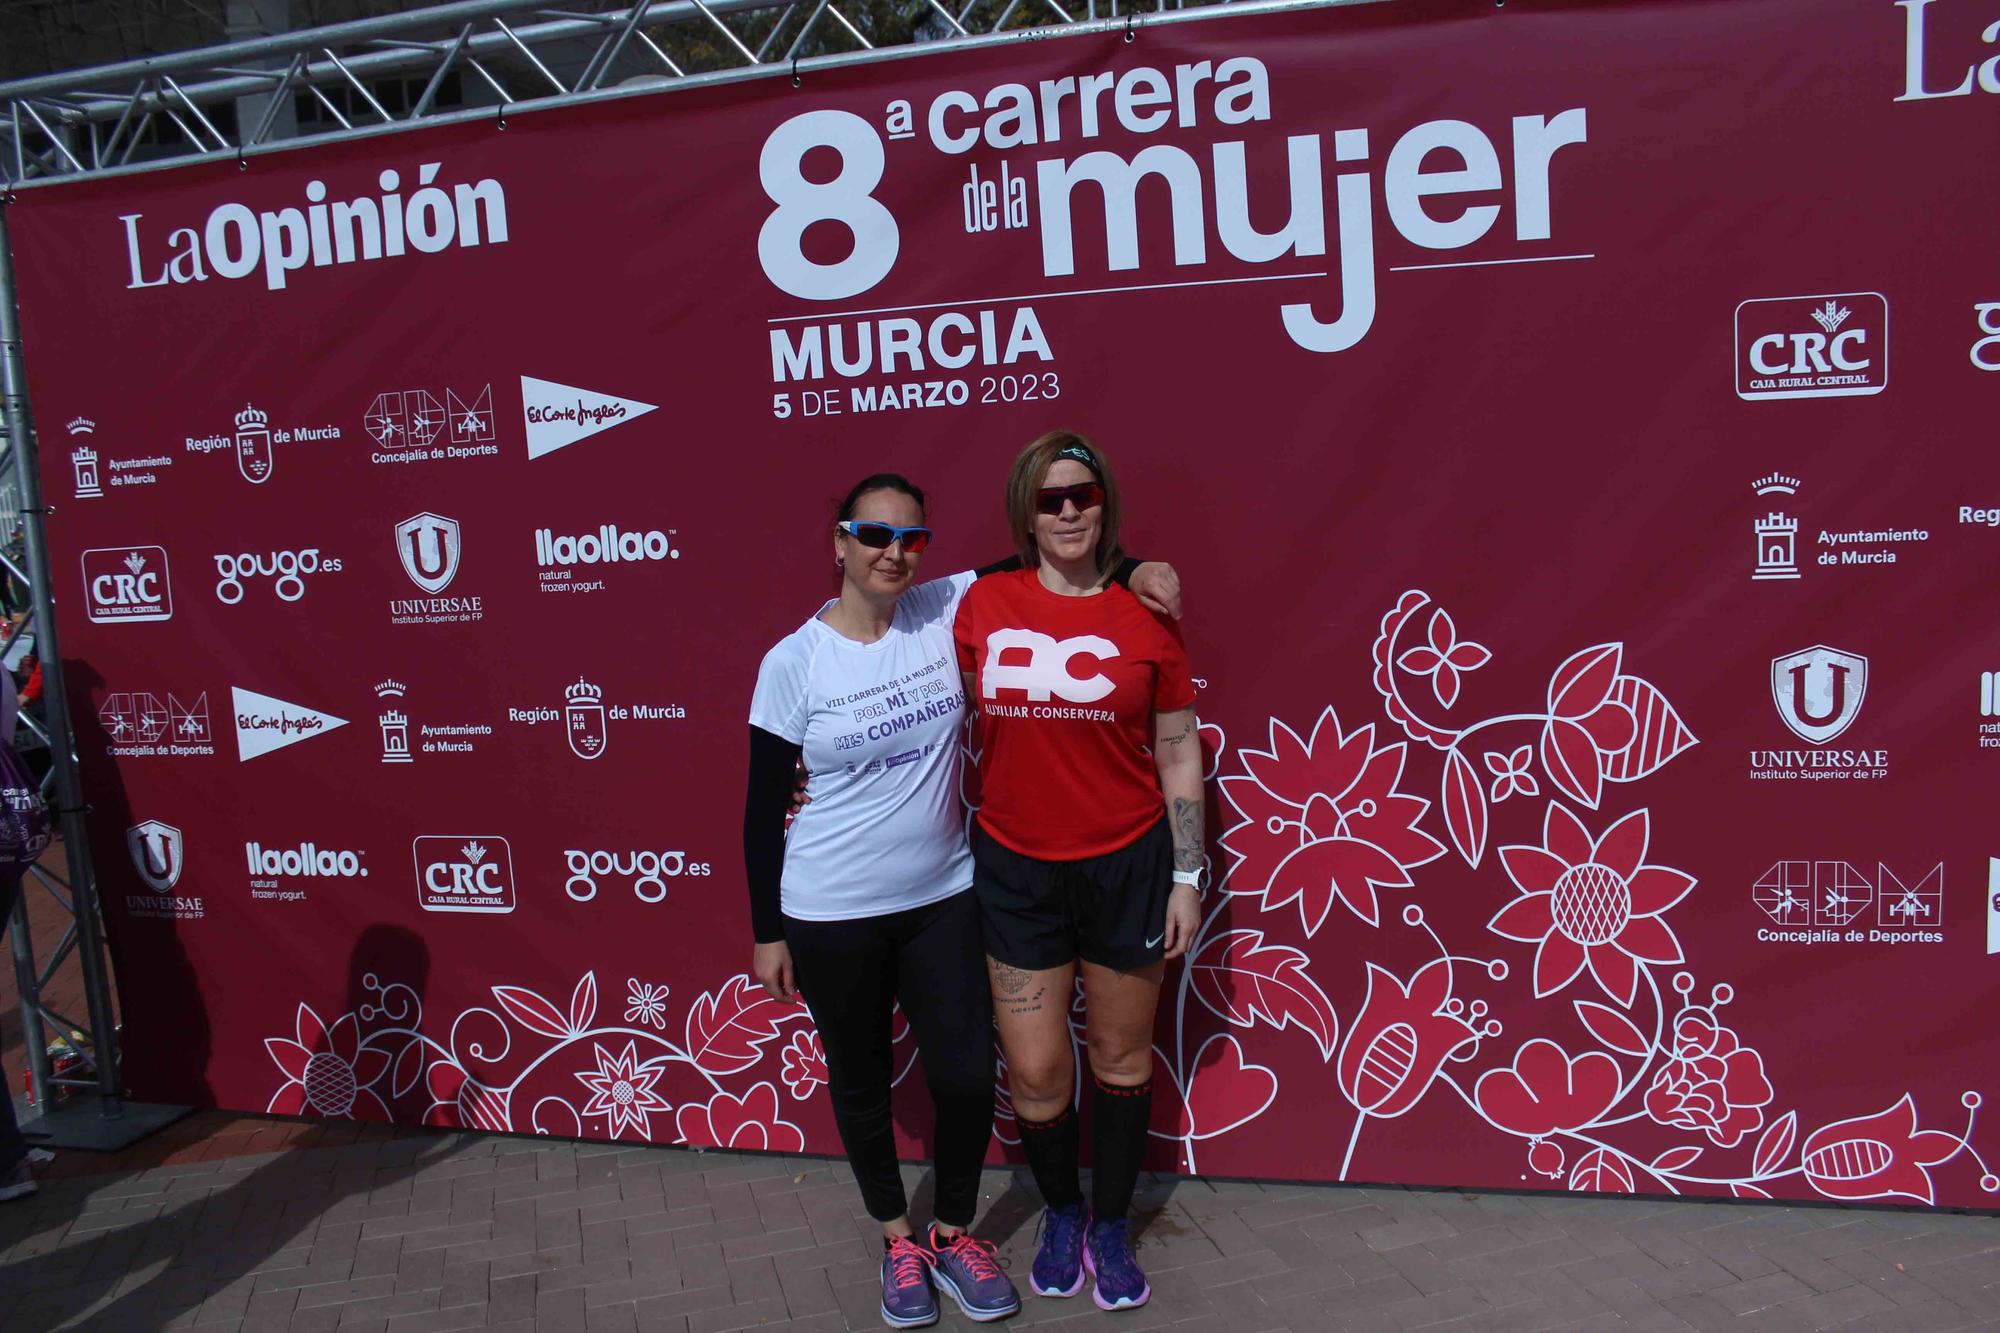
[[456, 1231]]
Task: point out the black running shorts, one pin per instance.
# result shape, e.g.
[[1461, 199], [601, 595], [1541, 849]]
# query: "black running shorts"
[[1110, 910]]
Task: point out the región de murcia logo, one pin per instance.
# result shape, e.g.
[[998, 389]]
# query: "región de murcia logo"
[[586, 718], [255, 442]]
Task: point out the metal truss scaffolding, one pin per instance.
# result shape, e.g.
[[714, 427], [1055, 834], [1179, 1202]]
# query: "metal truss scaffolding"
[[486, 57]]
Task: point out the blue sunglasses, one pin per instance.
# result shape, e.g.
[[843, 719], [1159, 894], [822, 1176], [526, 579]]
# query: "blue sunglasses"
[[879, 536]]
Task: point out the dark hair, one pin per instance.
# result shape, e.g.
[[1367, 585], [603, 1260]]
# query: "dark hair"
[[1031, 468], [880, 481]]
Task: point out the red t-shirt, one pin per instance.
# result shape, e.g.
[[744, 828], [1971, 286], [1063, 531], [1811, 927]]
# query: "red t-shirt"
[[1066, 690]]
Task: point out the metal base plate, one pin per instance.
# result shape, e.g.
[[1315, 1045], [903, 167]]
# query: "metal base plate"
[[78, 1122]]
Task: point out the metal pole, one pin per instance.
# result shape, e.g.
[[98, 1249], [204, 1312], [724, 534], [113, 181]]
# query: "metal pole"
[[62, 747]]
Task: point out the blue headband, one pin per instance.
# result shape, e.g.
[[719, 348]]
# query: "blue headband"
[[1083, 456]]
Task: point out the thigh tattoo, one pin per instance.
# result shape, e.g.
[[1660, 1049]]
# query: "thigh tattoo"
[[1011, 985]]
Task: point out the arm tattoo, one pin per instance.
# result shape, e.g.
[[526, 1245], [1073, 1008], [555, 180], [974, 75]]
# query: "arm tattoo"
[[1187, 830], [1180, 736]]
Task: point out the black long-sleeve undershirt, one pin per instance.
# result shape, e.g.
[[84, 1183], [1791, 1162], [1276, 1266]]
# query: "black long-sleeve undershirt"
[[774, 762]]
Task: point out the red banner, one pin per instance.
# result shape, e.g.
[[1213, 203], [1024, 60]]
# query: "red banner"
[[1573, 425]]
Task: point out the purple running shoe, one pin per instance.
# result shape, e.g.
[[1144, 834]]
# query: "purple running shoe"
[[1058, 1269], [966, 1271], [1107, 1254], [907, 1301]]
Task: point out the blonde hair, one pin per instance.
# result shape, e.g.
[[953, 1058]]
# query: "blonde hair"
[[1026, 477]]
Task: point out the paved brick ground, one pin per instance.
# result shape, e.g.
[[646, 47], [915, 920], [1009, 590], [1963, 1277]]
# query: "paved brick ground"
[[232, 1222], [452, 1231]]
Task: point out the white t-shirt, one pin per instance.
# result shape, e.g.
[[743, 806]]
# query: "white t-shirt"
[[879, 723]]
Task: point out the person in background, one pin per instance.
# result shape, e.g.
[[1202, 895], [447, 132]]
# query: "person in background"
[[1087, 847], [866, 902], [15, 1180]]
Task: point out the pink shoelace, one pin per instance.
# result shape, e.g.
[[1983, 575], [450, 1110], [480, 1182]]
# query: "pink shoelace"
[[976, 1254], [906, 1262]]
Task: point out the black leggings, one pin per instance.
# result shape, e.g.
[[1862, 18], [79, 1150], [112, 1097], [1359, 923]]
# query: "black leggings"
[[932, 959]]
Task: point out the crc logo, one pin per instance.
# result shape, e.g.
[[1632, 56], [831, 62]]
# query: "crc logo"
[[289, 568], [1812, 346], [127, 584], [464, 874], [429, 548], [156, 854], [647, 870], [1047, 670], [1818, 691]]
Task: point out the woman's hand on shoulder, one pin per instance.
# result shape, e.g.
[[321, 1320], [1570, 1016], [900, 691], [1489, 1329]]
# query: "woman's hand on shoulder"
[[1157, 587], [771, 964]]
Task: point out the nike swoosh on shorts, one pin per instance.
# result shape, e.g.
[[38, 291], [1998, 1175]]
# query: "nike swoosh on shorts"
[[1156, 939]]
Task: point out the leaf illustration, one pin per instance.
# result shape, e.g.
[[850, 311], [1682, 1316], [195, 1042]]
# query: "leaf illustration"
[[1241, 979], [409, 1068], [484, 1107], [1775, 1145], [1603, 1172], [1580, 684], [1612, 1028], [583, 1003], [1673, 1159], [1464, 807], [1226, 1091], [1658, 733], [531, 1011], [1570, 757], [1743, 1191], [727, 1029]]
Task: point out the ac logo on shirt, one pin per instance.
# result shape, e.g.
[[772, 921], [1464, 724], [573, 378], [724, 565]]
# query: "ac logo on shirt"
[[1047, 670]]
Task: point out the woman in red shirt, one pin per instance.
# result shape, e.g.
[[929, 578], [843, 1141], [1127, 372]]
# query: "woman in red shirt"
[[1087, 849]]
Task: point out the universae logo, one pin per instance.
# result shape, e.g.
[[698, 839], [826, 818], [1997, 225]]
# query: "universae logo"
[[1818, 691], [155, 849]]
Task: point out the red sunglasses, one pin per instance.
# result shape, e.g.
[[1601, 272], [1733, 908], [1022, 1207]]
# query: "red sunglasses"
[[1084, 495]]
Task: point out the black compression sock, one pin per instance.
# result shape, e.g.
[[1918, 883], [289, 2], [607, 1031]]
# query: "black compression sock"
[[1117, 1141], [1052, 1147]]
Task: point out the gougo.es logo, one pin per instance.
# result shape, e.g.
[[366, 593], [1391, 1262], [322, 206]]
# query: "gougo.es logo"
[[648, 871], [290, 569]]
